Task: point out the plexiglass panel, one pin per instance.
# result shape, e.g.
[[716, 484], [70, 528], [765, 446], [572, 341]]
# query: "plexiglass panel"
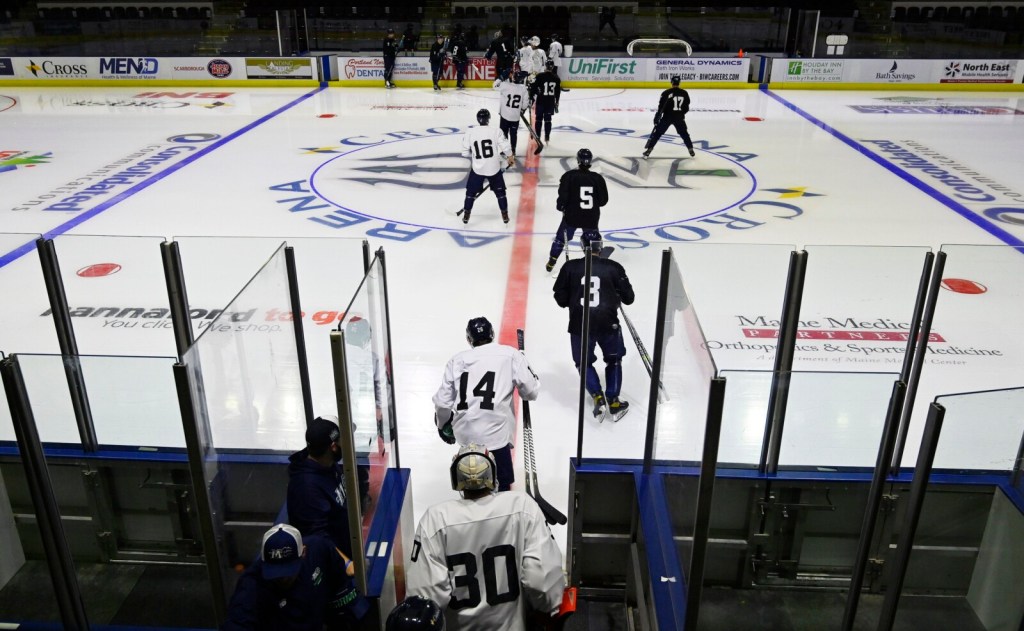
[[857, 307], [981, 431], [974, 344], [686, 372], [116, 294], [247, 364], [328, 271]]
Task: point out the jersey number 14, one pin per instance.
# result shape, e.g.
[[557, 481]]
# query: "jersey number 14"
[[483, 389]]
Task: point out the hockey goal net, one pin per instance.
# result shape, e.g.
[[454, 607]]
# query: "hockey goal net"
[[655, 45]]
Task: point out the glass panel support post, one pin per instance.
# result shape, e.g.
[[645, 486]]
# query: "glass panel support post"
[[915, 319], [349, 465], [874, 501], [367, 259], [68, 345], [782, 373], [390, 367], [208, 533], [921, 349], [37, 476], [658, 360], [918, 489], [1017, 465], [705, 495], [177, 296], [588, 271], [300, 336]]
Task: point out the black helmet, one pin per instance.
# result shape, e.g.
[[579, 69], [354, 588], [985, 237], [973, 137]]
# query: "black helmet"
[[591, 241], [416, 613], [675, 80], [391, 31], [479, 331], [520, 76], [549, 65], [584, 157], [483, 116]]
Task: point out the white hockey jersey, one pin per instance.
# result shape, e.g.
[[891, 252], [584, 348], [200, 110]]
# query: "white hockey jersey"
[[555, 52], [477, 386], [515, 99], [485, 146], [486, 562], [531, 59]]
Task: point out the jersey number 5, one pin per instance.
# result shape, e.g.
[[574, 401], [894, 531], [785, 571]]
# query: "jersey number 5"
[[483, 389], [472, 585], [586, 197], [483, 149]]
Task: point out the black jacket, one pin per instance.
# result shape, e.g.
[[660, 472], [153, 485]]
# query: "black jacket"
[[581, 194], [613, 289], [316, 500], [390, 47], [437, 53]]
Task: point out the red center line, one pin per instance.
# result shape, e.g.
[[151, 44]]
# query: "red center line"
[[518, 284]]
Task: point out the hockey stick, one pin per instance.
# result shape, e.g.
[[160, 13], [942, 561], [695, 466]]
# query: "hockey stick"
[[483, 189], [645, 357], [533, 134], [551, 514]]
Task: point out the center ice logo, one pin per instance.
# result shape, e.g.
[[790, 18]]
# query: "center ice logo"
[[406, 185]]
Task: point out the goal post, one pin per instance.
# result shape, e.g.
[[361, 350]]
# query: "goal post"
[[658, 45]]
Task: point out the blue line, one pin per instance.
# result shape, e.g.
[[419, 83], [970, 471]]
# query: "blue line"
[[943, 199], [153, 179]]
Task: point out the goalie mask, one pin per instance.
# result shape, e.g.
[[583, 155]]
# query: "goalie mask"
[[473, 469]]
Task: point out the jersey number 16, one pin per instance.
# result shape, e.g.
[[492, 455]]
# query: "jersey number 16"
[[483, 149]]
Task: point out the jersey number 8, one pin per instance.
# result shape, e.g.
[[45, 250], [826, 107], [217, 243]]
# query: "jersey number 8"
[[472, 585]]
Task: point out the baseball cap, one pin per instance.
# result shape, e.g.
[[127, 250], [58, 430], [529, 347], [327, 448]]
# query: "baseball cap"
[[321, 433], [282, 552]]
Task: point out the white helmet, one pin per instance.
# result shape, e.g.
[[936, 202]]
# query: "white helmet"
[[534, 41], [473, 469]]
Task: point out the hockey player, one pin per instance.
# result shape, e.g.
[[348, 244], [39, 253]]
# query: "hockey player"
[[555, 51], [672, 109], [503, 50], [609, 286], [514, 102], [474, 402], [486, 558], [438, 54], [460, 57], [546, 90], [390, 53], [532, 58], [581, 194], [485, 147], [299, 583]]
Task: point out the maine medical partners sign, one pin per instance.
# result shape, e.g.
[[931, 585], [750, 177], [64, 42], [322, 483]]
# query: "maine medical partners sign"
[[279, 68]]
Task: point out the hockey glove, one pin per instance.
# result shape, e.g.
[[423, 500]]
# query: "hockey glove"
[[447, 433], [556, 108]]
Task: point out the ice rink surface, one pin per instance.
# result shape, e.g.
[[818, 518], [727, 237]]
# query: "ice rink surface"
[[866, 182]]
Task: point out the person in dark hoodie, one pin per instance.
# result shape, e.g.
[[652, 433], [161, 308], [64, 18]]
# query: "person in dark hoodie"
[[297, 584], [316, 488]]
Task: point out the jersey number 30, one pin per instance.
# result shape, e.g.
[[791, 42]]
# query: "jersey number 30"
[[472, 585], [483, 389]]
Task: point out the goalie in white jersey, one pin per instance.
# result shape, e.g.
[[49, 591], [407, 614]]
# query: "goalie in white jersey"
[[474, 403], [488, 559], [487, 149]]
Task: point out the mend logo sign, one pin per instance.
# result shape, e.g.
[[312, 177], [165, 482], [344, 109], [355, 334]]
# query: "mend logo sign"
[[129, 67], [6, 67]]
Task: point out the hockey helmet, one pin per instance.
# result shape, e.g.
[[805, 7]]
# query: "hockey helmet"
[[483, 116], [357, 331], [534, 41], [549, 65], [391, 31], [591, 241], [439, 36], [473, 469], [479, 331], [675, 80], [584, 157], [520, 76], [416, 613]]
